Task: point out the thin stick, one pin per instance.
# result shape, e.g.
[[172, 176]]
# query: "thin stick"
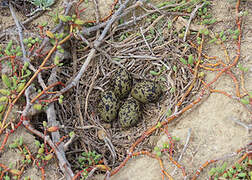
[[89, 90], [191, 18], [247, 127], [19, 29], [147, 44], [184, 149]]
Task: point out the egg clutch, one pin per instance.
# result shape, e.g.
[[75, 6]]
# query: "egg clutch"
[[123, 99]]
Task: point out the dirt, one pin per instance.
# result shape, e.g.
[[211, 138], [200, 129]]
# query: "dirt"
[[213, 133]]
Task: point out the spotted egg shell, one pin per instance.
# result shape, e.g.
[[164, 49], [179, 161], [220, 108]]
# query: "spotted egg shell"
[[121, 83], [108, 106], [129, 113], [146, 91]]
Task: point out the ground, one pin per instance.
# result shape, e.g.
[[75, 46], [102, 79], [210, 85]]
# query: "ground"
[[214, 134]]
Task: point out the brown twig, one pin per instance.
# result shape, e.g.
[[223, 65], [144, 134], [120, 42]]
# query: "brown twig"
[[191, 18]]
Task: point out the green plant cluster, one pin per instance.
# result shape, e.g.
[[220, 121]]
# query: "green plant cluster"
[[88, 159], [165, 146], [19, 143], [247, 99], [190, 60], [224, 36], [43, 4], [41, 155], [29, 42], [10, 50], [237, 172], [14, 77], [183, 5]]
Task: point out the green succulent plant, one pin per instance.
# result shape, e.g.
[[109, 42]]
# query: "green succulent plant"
[[42, 3]]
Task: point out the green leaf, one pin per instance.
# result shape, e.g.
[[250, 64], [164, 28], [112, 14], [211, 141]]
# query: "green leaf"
[[174, 68], [232, 171], [172, 90], [49, 157], [168, 113], [6, 177], [37, 143], [176, 138], [223, 167], [212, 21], [158, 125], [37, 107], [221, 34], [50, 35], [183, 60], [56, 61], [159, 153], [229, 174], [41, 151], [225, 175], [14, 82], [237, 32], [212, 172], [5, 92], [13, 145], [3, 99], [65, 18], [242, 175], [60, 101], [154, 73], [71, 134], [9, 45], [156, 148], [21, 141], [166, 145], [61, 51], [190, 59], [25, 41], [224, 38], [19, 54], [42, 3], [212, 40], [44, 123], [245, 101], [79, 21], [20, 87], [6, 80], [1, 108], [28, 73], [206, 32]]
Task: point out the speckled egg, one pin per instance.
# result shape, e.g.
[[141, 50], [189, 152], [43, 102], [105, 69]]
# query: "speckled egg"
[[146, 91], [108, 106], [129, 113], [121, 83]]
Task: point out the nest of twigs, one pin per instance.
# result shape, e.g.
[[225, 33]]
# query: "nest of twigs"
[[142, 52]]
